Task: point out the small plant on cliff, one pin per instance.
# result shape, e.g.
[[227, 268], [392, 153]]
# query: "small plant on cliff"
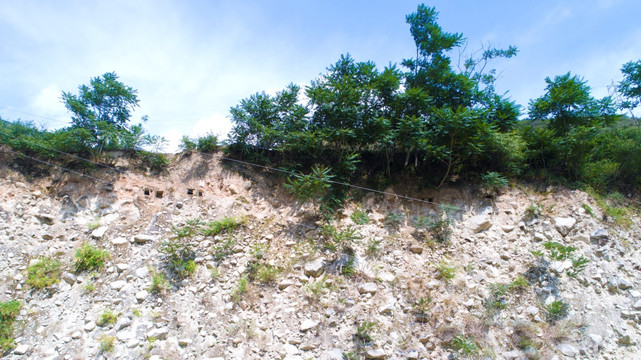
[[89, 257], [224, 225], [446, 270], [159, 282], [43, 273], [179, 257], [108, 317], [359, 217], [8, 312], [107, 343], [364, 332], [493, 182], [556, 310]]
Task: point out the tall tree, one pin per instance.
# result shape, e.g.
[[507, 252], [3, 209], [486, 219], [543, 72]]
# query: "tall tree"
[[630, 86]]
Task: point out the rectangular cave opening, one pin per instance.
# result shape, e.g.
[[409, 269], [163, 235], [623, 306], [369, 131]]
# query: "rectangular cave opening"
[[146, 192], [190, 191], [159, 194]]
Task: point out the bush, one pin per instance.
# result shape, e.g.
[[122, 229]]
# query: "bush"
[[8, 312], [89, 257], [107, 343], [43, 273], [208, 143], [226, 224], [154, 162], [493, 182], [187, 144], [107, 317], [159, 282], [179, 257]]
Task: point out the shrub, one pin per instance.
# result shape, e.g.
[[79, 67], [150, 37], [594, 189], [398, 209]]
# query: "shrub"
[[557, 310], [159, 282], [393, 219], [8, 312], [464, 345], [107, 343], [223, 249], [208, 143], [187, 144], [359, 217], [364, 332], [179, 257], [267, 273], [43, 273], [224, 225], [154, 162], [107, 317], [493, 182], [445, 270], [239, 290], [89, 257], [190, 229]]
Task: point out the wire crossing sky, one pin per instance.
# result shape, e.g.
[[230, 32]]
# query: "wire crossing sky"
[[192, 60]]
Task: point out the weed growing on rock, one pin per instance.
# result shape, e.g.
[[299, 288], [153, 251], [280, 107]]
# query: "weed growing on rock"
[[578, 265], [493, 182], [159, 282], [89, 257], [108, 317], [364, 333], [43, 273], [224, 225], [223, 248], [421, 309], [373, 247], [93, 225], [239, 290], [393, 219], [556, 310], [267, 273], [107, 343], [137, 312], [557, 251], [8, 312], [464, 345], [350, 355], [179, 257], [533, 211], [214, 273], [588, 209], [315, 289], [360, 217], [191, 229], [446, 270]]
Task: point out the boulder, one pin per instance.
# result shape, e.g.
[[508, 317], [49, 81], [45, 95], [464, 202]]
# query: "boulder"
[[480, 223], [564, 225], [314, 268]]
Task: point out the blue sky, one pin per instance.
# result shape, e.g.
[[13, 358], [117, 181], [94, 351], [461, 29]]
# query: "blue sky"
[[192, 60]]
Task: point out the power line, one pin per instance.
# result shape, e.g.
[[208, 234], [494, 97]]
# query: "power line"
[[68, 154], [40, 116], [58, 166]]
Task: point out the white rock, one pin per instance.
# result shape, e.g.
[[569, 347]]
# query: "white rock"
[[564, 225], [375, 354], [368, 288], [285, 284], [333, 354], [119, 241], [21, 349], [184, 342], [142, 272], [142, 295], [69, 278], [143, 239], [415, 247], [119, 284], [308, 324], [567, 350], [99, 232], [507, 228], [160, 334], [532, 310], [90, 326], [386, 309], [314, 268], [480, 223]]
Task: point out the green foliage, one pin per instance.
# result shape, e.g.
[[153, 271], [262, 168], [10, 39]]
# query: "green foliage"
[[578, 265], [364, 332], [43, 273], [224, 225], [266, 273], [359, 217], [630, 86], [89, 257], [556, 310], [239, 290], [441, 230], [103, 107], [464, 345], [108, 317], [557, 251], [107, 343], [207, 144], [394, 219], [349, 268], [421, 309], [9, 310], [588, 209], [314, 187], [446, 270], [187, 144], [567, 103], [179, 257], [154, 162], [189, 230], [223, 248], [373, 247], [159, 282], [493, 181]]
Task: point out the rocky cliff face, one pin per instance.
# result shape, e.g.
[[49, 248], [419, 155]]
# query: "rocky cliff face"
[[522, 275]]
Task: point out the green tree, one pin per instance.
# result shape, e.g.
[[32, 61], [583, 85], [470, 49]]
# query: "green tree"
[[567, 103], [630, 86], [103, 107]]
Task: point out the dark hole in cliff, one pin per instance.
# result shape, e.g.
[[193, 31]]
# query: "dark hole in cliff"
[[146, 192], [159, 194], [190, 191], [200, 193], [430, 200]]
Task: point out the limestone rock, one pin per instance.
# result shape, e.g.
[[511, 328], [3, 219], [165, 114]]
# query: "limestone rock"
[[142, 295], [118, 284], [480, 223], [567, 350], [375, 354], [308, 325], [564, 225], [314, 268], [600, 237], [285, 284], [21, 349], [99, 232], [368, 288], [69, 278], [46, 218], [415, 247], [143, 239], [159, 334]]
